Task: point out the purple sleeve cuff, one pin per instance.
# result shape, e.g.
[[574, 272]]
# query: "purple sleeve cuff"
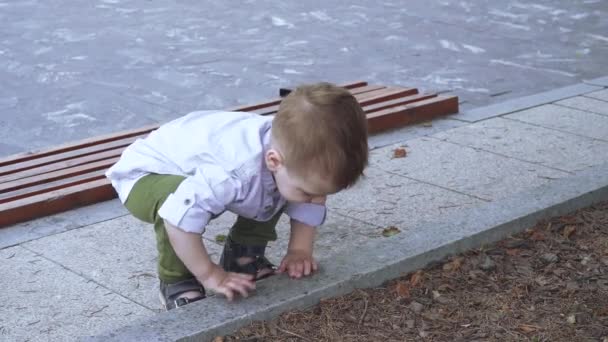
[[307, 213]]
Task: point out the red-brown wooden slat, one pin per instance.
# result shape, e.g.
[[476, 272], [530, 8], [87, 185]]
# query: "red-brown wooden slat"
[[366, 89], [355, 91], [365, 98], [56, 175], [61, 165], [397, 102], [52, 186], [21, 157], [55, 202], [386, 94], [90, 153], [250, 108], [411, 113]]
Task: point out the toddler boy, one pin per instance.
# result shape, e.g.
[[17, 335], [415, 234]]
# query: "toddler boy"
[[191, 170]]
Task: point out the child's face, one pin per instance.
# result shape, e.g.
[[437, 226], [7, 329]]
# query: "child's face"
[[310, 189]]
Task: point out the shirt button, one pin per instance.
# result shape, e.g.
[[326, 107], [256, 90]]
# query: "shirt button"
[[187, 202]]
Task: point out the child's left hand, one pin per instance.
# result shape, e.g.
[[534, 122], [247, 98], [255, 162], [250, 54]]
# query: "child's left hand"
[[298, 264]]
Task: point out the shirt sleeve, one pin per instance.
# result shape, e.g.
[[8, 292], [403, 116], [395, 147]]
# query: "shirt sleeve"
[[308, 213], [199, 198]]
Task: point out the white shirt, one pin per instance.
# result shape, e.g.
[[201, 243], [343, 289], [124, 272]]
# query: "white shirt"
[[221, 154]]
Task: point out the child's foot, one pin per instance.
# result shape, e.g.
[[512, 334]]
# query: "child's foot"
[[246, 259], [261, 273], [178, 294]]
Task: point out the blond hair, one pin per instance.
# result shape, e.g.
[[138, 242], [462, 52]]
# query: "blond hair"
[[322, 128]]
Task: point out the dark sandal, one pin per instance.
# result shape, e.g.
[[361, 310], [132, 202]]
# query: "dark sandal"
[[169, 293], [233, 251]]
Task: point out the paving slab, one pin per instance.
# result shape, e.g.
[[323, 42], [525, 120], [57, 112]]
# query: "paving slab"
[[565, 119], [469, 171], [120, 254], [375, 262], [414, 131], [43, 301], [586, 104], [517, 140], [600, 95], [600, 81], [385, 199], [61, 222]]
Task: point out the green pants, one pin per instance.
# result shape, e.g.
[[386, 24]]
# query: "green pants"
[[149, 194]]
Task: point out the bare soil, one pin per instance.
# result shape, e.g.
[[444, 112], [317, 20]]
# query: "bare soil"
[[549, 283]]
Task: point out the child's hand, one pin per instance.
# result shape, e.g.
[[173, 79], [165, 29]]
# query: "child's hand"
[[228, 283], [298, 263]]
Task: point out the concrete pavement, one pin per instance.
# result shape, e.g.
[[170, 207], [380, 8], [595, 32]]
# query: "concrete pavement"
[[467, 180]]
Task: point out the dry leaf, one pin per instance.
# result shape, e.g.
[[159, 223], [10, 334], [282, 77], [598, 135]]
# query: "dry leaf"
[[220, 238], [402, 289], [513, 251], [537, 236], [218, 339], [453, 265], [528, 328], [416, 278], [399, 152], [390, 231], [571, 319], [568, 231]]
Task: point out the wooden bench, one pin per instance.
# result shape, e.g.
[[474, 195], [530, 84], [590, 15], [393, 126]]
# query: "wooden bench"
[[44, 182]]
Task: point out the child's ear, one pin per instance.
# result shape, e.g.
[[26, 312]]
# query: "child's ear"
[[273, 160]]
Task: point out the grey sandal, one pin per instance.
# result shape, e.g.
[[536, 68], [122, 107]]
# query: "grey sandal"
[[169, 293], [233, 251]]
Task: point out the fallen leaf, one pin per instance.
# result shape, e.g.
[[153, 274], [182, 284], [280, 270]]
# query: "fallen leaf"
[[453, 265], [603, 312], [513, 251], [568, 231], [220, 238], [390, 231], [218, 339], [402, 289], [537, 236], [571, 319], [528, 328], [399, 152], [427, 124], [416, 278]]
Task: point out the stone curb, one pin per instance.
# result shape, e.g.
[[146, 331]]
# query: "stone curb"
[[600, 81], [535, 100], [374, 263]]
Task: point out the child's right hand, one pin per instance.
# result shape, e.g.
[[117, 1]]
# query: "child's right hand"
[[228, 283]]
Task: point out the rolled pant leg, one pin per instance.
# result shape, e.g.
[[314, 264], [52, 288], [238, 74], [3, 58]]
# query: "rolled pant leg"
[[250, 232], [144, 201]]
